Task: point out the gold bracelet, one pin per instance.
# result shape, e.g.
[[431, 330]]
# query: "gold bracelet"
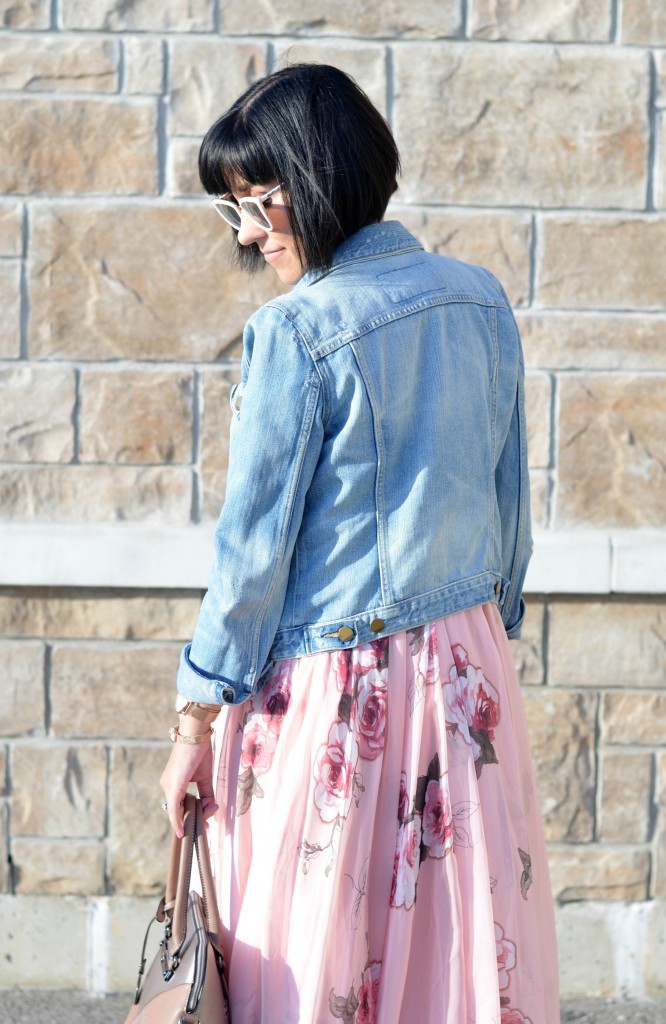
[[176, 736], [202, 712]]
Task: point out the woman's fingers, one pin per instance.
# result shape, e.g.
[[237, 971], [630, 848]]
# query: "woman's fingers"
[[187, 763]]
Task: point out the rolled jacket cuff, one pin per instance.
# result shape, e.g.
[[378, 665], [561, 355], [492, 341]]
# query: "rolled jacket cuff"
[[196, 684], [513, 632]]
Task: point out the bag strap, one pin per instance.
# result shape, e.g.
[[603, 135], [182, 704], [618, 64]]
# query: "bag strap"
[[179, 876]]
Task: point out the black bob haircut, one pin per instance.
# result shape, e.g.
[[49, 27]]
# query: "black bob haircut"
[[311, 128]]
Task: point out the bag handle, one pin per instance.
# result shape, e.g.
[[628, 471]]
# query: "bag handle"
[[179, 876]]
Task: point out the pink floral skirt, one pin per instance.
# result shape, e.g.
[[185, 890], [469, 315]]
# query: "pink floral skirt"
[[379, 853]]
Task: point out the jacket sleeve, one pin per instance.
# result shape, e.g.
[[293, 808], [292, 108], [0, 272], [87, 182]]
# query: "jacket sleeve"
[[276, 440]]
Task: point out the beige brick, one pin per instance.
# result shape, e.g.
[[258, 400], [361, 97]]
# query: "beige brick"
[[528, 651], [643, 22], [540, 497], [96, 494], [568, 20], [365, 62], [58, 867], [10, 303], [11, 230], [612, 451], [59, 64], [659, 880], [62, 146], [591, 341], [634, 718], [602, 262], [22, 704], [607, 643], [215, 427], [4, 851], [43, 941], [660, 186], [498, 241], [182, 167], [59, 791], [594, 873], [136, 416], [522, 125], [36, 414], [170, 294], [626, 785], [140, 835], [118, 616], [537, 413], [148, 15], [25, 13], [144, 65], [430, 19], [207, 76], [562, 736], [126, 918], [94, 687]]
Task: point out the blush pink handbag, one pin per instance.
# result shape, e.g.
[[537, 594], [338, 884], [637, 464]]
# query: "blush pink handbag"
[[185, 984]]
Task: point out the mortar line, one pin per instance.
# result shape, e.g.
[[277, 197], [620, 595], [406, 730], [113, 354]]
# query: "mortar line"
[[162, 121], [24, 300], [217, 18], [545, 641], [53, 18], [48, 710], [76, 418], [532, 262], [108, 887], [554, 445], [122, 66], [615, 21], [598, 765], [465, 12], [196, 446], [271, 56], [653, 129]]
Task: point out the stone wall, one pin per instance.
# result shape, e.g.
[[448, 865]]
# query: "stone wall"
[[533, 143]]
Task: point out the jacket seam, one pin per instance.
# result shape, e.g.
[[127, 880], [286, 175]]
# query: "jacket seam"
[[308, 348], [493, 433]]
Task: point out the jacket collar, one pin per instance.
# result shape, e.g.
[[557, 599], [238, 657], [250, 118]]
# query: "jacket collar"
[[382, 239]]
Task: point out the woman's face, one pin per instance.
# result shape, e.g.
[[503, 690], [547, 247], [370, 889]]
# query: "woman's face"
[[278, 246]]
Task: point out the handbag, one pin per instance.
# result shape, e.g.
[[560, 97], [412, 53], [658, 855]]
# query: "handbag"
[[185, 983]]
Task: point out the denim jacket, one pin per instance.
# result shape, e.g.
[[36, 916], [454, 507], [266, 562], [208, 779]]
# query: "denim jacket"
[[378, 464]]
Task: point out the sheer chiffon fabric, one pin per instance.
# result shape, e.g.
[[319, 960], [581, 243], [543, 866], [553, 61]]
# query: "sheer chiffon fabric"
[[379, 852]]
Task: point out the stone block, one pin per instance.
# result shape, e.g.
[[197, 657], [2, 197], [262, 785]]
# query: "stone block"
[[643, 23], [567, 21], [660, 173], [206, 77], [96, 494], [626, 797], [498, 241], [606, 643], [590, 872], [11, 229], [593, 341], [36, 414], [94, 687], [540, 488], [659, 880], [174, 285], [113, 616], [519, 125], [61, 145], [56, 63], [562, 736], [136, 416], [144, 65], [586, 950], [365, 62], [10, 303], [612, 451], [432, 19], [58, 867], [139, 831], [59, 791], [146, 16], [634, 718], [538, 391], [25, 13], [125, 918], [528, 651], [602, 262], [22, 706], [215, 426], [43, 942], [182, 167]]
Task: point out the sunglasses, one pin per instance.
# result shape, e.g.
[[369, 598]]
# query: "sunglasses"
[[230, 209]]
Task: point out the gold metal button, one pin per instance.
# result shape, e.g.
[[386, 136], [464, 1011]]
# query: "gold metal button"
[[377, 625], [498, 587], [346, 633]]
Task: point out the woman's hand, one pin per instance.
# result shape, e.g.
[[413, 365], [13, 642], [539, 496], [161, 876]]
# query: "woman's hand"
[[188, 763]]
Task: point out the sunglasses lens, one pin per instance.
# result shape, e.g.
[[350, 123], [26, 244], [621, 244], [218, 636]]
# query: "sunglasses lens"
[[258, 214], [228, 212]]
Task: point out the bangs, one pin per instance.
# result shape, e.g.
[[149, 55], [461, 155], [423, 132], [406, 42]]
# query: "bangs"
[[234, 151]]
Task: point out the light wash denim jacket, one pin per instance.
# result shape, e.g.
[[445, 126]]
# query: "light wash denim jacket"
[[378, 464]]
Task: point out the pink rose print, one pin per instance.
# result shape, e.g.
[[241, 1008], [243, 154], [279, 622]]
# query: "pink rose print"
[[429, 658], [368, 993], [276, 696], [334, 772], [460, 657], [506, 956], [258, 748], [437, 819], [510, 1016], [403, 798], [371, 714], [456, 704], [406, 864], [343, 671], [482, 702]]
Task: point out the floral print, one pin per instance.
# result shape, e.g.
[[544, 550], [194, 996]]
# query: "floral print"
[[406, 864], [334, 773], [371, 714], [359, 1007], [506, 956], [437, 820], [472, 707]]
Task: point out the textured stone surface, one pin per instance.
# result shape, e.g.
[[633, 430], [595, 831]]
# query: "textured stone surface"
[[58, 867], [4, 852], [148, 15], [537, 413], [567, 20], [539, 497], [33, 927], [4, 789], [182, 169], [206, 76], [528, 651], [430, 19], [115, 615], [11, 230], [365, 62], [563, 341], [660, 174], [612, 451], [22, 704], [594, 873], [607, 643], [36, 421], [655, 956], [171, 294], [144, 65], [522, 125], [630, 717], [127, 917], [63, 146], [94, 687], [79, 494], [643, 22], [10, 303], [59, 791], [139, 832], [498, 241], [586, 959], [136, 416], [659, 881], [215, 426], [626, 781], [561, 731], [25, 13], [602, 262], [59, 64]]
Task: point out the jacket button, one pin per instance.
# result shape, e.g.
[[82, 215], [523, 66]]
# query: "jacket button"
[[498, 587], [377, 625], [346, 633]]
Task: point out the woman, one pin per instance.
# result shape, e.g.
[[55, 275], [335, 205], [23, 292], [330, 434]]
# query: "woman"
[[378, 848]]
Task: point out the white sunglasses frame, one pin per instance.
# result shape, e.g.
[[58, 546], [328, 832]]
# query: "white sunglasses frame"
[[221, 202]]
